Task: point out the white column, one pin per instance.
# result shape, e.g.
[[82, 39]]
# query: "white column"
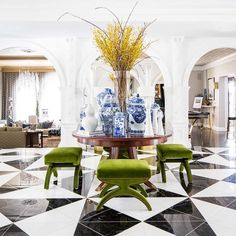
[[69, 94], [0, 93], [179, 93]]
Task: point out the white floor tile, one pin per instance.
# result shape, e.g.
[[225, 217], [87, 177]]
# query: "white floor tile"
[[37, 164], [220, 189], [7, 158], [217, 149], [172, 184], [144, 156], [94, 185], [91, 162], [144, 229], [216, 159], [136, 209], [4, 220], [5, 178], [68, 230], [58, 219], [85, 153], [5, 167], [39, 192], [220, 219], [218, 174]]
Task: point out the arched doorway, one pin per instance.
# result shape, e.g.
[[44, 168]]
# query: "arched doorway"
[[30, 91], [209, 80]]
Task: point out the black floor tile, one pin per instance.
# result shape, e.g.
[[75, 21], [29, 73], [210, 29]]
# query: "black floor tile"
[[12, 230], [232, 205], [109, 228], [204, 165], [198, 183], [200, 156], [175, 222], [188, 207], [202, 230], [220, 201], [161, 193], [84, 230], [23, 163], [107, 221]]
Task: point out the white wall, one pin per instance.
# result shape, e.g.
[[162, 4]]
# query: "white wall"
[[196, 86], [0, 95], [221, 73]]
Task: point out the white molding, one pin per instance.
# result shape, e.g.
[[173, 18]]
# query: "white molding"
[[224, 60], [216, 128]]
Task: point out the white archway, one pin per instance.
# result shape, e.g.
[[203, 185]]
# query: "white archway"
[[201, 51]]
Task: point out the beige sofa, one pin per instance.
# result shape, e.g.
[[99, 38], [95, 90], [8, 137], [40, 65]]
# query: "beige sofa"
[[12, 137]]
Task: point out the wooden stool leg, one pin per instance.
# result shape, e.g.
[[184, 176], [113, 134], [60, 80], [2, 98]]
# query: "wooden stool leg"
[[48, 176], [76, 177]]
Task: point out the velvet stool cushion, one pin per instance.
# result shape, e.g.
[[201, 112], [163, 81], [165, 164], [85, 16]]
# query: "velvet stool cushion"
[[63, 157], [174, 153], [126, 175]]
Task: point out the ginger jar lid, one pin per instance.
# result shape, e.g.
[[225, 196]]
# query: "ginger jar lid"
[[136, 100]]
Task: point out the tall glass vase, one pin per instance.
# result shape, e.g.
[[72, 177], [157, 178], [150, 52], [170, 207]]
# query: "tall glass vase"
[[122, 88]]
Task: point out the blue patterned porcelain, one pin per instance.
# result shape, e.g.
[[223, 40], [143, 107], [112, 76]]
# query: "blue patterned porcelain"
[[154, 106], [101, 96], [136, 115], [82, 115], [108, 108], [119, 125]]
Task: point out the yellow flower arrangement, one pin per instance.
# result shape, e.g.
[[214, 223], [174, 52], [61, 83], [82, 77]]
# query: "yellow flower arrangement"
[[120, 44], [120, 48]]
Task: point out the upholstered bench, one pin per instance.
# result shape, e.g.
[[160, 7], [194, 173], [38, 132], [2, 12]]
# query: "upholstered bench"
[[127, 174], [174, 153], [63, 157]]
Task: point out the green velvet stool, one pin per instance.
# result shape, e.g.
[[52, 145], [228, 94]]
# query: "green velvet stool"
[[127, 175], [174, 153], [63, 157]]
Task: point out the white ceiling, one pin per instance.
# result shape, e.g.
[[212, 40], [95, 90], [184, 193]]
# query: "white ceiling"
[[190, 18], [215, 55]]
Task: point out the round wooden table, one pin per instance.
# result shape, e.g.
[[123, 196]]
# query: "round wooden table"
[[116, 143]]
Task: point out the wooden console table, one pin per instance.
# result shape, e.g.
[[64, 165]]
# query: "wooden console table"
[[31, 135]]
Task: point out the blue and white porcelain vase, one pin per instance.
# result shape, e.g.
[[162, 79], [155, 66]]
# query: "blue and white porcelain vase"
[[108, 108], [154, 113], [119, 125], [89, 122], [82, 115], [101, 96], [136, 115]]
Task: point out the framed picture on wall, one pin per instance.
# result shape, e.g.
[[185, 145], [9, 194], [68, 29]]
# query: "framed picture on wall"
[[197, 103], [211, 88]]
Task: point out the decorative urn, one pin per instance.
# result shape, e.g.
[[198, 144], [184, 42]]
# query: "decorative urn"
[[136, 115], [108, 108], [89, 123]]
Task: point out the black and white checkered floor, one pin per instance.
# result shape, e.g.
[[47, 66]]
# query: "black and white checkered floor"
[[207, 207]]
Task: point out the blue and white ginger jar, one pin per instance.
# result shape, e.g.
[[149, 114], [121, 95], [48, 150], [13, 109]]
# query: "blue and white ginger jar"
[[108, 108], [136, 115]]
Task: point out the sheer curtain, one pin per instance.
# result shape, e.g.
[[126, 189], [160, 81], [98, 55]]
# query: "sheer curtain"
[[32, 93], [25, 97], [49, 97]]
